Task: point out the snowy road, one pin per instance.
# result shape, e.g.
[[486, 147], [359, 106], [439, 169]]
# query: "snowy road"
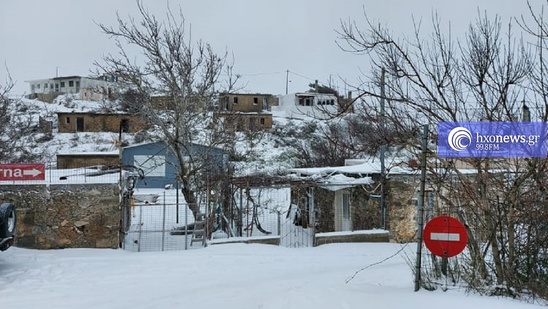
[[222, 276]]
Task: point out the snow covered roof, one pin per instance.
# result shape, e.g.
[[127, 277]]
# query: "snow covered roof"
[[366, 168], [90, 153], [339, 182]]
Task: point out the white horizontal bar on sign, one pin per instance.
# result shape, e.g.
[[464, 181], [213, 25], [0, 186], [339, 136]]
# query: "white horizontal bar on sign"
[[445, 236]]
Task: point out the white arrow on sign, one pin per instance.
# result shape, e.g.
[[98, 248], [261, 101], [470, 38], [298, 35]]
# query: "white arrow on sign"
[[33, 172], [445, 236]]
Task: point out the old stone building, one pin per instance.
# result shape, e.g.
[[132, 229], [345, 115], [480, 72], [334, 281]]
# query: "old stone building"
[[100, 122], [75, 160], [246, 112]]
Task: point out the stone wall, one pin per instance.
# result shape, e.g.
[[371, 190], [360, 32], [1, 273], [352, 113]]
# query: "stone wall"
[[402, 207], [65, 216], [84, 159]]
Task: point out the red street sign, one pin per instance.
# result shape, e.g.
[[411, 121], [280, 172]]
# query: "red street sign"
[[445, 236], [22, 171]]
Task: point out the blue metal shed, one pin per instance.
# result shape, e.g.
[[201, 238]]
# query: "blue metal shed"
[[159, 162]]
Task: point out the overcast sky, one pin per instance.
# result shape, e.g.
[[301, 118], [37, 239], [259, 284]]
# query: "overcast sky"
[[40, 38]]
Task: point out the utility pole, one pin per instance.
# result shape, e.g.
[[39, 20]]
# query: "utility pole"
[[286, 81], [420, 207], [384, 225]]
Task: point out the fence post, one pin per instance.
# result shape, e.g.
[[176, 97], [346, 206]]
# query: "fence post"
[[140, 228], [164, 223], [186, 225]]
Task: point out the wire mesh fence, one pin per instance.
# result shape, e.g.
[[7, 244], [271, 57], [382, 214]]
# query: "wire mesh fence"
[[155, 221], [153, 227]]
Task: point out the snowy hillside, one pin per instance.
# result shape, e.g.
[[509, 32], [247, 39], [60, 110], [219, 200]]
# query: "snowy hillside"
[[259, 153], [46, 148]]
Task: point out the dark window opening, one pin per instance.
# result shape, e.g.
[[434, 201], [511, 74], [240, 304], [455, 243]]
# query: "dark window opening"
[[251, 124], [68, 120], [235, 100], [62, 84], [71, 83], [124, 125], [262, 121], [255, 100], [80, 124]]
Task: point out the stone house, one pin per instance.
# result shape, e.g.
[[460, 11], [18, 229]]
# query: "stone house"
[[83, 159], [100, 122], [349, 198], [245, 112]]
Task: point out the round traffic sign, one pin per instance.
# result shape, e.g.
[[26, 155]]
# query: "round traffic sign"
[[445, 236]]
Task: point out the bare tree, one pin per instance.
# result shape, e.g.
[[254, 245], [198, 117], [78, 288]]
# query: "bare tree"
[[185, 76], [15, 127], [484, 77]]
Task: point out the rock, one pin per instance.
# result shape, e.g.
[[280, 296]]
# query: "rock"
[[80, 224]]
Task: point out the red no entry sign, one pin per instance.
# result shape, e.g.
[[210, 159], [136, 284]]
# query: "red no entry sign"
[[445, 236], [22, 171]]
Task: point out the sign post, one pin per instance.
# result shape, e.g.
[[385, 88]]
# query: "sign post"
[[445, 236], [22, 171]]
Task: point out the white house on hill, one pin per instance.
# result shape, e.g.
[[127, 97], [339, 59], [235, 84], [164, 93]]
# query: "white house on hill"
[[91, 89], [309, 104]]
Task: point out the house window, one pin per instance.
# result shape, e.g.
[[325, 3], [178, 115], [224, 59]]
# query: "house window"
[[62, 84], [346, 206], [262, 121], [71, 83], [255, 101], [37, 86], [67, 120], [235, 100]]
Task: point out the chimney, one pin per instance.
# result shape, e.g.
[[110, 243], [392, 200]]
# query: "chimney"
[[349, 94]]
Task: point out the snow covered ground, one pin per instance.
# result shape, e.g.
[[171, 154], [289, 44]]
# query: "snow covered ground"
[[225, 276]]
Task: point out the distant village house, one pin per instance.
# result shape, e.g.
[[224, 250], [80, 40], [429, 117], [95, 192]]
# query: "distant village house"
[[91, 89], [246, 112], [309, 104]]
